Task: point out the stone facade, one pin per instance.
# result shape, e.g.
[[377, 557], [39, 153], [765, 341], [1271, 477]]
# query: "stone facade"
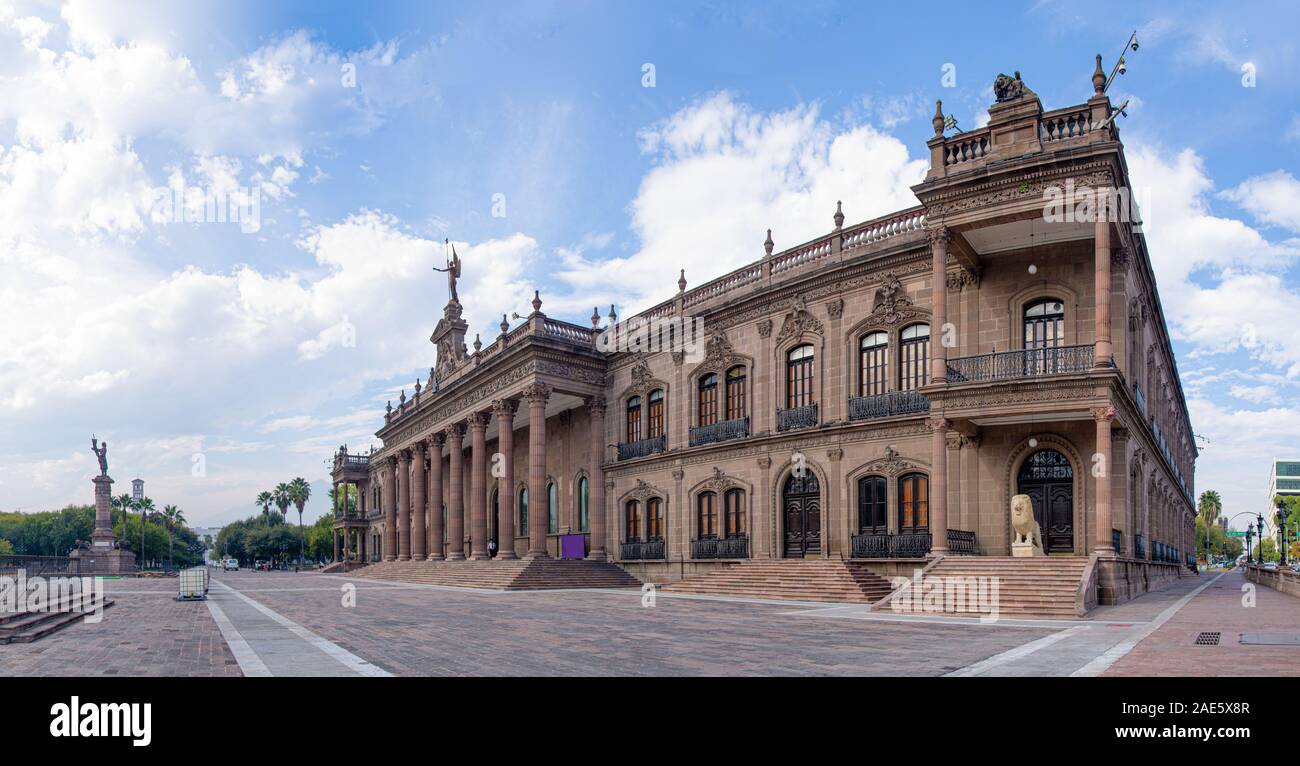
[[1047, 368]]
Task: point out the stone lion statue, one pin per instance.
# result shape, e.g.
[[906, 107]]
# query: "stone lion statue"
[[1026, 528]]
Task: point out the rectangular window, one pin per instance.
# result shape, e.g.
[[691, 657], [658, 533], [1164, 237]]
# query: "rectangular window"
[[655, 424], [735, 513], [634, 421], [912, 360], [708, 515], [736, 394], [654, 519]]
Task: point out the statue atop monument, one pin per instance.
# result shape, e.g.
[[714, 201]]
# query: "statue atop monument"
[[452, 270], [101, 452]]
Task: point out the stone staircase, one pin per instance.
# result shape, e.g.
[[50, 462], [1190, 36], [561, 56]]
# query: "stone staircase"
[[540, 574], [1042, 586], [790, 579], [26, 627]]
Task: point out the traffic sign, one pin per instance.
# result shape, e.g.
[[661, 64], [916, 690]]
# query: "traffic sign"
[[1236, 533]]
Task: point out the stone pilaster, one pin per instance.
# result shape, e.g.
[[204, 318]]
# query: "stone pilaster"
[[455, 434], [938, 483], [939, 239], [435, 498], [1101, 463], [419, 535], [478, 423], [596, 478], [538, 500], [390, 511], [504, 409], [1102, 350], [403, 485]]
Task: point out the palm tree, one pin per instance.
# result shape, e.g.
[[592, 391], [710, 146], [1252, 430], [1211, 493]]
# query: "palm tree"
[[172, 517], [299, 492], [123, 502], [265, 499], [1210, 506], [282, 500], [146, 508]]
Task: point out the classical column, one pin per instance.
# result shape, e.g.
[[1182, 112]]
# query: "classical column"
[[456, 493], [435, 497], [390, 512], [538, 501], [504, 409], [336, 546], [478, 423], [361, 539], [1102, 350], [1101, 470], [938, 484], [404, 506], [938, 309], [596, 478], [418, 534]]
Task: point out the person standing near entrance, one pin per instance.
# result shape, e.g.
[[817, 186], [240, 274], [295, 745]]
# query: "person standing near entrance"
[[492, 548]]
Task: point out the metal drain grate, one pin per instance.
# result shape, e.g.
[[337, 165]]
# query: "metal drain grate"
[[1207, 638]]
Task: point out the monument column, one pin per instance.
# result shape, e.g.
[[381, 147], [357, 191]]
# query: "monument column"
[[404, 506], [390, 512], [939, 310], [456, 493], [938, 484], [505, 412], [102, 536], [1101, 470], [478, 423], [538, 500], [435, 498], [419, 536], [596, 482]]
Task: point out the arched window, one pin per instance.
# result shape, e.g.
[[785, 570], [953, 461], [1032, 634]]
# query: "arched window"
[[634, 419], [552, 508], [734, 513], [584, 520], [654, 519], [706, 506], [1045, 324], [708, 408], [913, 502], [655, 424], [873, 365], [736, 393], [632, 521], [523, 512], [799, 377], [872, 504], [913, 347]]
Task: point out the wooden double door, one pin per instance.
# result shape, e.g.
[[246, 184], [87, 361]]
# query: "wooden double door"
[[802, 507], [1048, 479]]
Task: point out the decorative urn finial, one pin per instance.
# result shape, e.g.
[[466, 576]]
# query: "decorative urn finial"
[[681, 282], [937, 122], [839, 214], [1098, 78], [595, 317], [388, 410], [478, 344], [767, 243], [505, 324], [537, 301], [417, 386], [613, 317], [402, 399]]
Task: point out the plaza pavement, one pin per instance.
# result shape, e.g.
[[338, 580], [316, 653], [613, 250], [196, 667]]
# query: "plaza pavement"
[[286, 624]]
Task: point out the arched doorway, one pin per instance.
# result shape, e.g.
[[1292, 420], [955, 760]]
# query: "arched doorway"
[[801, 499], [1047, 477]]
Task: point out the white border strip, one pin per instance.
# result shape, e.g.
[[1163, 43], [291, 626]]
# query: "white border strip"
[[249, 663], [1114, 654], [343, 656]]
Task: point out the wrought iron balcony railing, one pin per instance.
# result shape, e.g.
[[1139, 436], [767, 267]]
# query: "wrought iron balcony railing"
[[961, 542], [1139, 547], [883, 545], [796, 417], [642, 447], [1016, 365], [720, 547], [720, 432], [643, 550], [887, 405]]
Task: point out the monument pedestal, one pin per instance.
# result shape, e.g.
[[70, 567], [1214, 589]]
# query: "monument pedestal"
[[103, 556]]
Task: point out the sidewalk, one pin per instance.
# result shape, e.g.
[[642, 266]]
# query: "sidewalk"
[[1171, 651]]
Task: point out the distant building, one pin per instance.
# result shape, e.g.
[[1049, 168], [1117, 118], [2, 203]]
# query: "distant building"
[[1283, 479]]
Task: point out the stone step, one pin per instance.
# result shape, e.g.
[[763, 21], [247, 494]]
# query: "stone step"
[[821, 580], [504, 575], [35, 625]]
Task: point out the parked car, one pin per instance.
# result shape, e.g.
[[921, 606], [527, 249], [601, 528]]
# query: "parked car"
[[230, 565]]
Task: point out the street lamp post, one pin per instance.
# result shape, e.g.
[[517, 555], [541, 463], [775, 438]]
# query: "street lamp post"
[[1250, 535], [1259, 522], [1281, 531]]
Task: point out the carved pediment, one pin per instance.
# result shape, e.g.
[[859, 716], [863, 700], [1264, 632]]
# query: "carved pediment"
[[892, 464], [642, 491], [798, 322], [719, 355], [891, 304]]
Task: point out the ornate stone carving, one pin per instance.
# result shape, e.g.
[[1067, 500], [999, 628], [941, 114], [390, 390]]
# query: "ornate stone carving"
[[937, 424], [1104, 412], [962, 278], [835, 308], [641, 375], [719, 482], [718, 355], [1028, 538], [765, 328], [891, 464], [798, 322], [835, 454], [1119, 259], [505, 407], [642, 491], [891, 304], [765, 462], [1010, 88], [938, 236], [596, 404], [454, 432], [538, 392]]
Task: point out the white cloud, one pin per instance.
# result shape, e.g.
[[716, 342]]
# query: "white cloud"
[[1273, 198]]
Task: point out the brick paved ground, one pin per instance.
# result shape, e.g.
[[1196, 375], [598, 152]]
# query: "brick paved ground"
[[1169, 651], [145, 633]]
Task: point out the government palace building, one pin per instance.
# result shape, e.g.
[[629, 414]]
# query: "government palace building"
[[829, 416]]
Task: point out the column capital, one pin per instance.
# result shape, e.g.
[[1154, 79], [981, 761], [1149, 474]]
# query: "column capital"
[[417, 448], [1103, 413], [454, 433], [478, 421], [596, 405], [391, 462], [435, 440], [538, 392], [505, 408], [937, 424], [939, 236], [404, 455]]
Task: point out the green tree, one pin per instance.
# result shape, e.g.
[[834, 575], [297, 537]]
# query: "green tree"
[[1209, 507], [6, 547], [265, 500], [172, 517], [300, 493], [282, 499]]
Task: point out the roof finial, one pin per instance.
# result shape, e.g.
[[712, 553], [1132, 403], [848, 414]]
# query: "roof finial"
[[613, 317], [937, 122], [839, 215], [1098, 78], [767, 243], [402, 400], [478, 344], [595, 317], [537, 301], [681, 282], [505, 324], [417, 387]]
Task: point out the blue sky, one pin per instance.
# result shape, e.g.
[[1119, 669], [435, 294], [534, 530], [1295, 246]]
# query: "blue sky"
[[198, 346]]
